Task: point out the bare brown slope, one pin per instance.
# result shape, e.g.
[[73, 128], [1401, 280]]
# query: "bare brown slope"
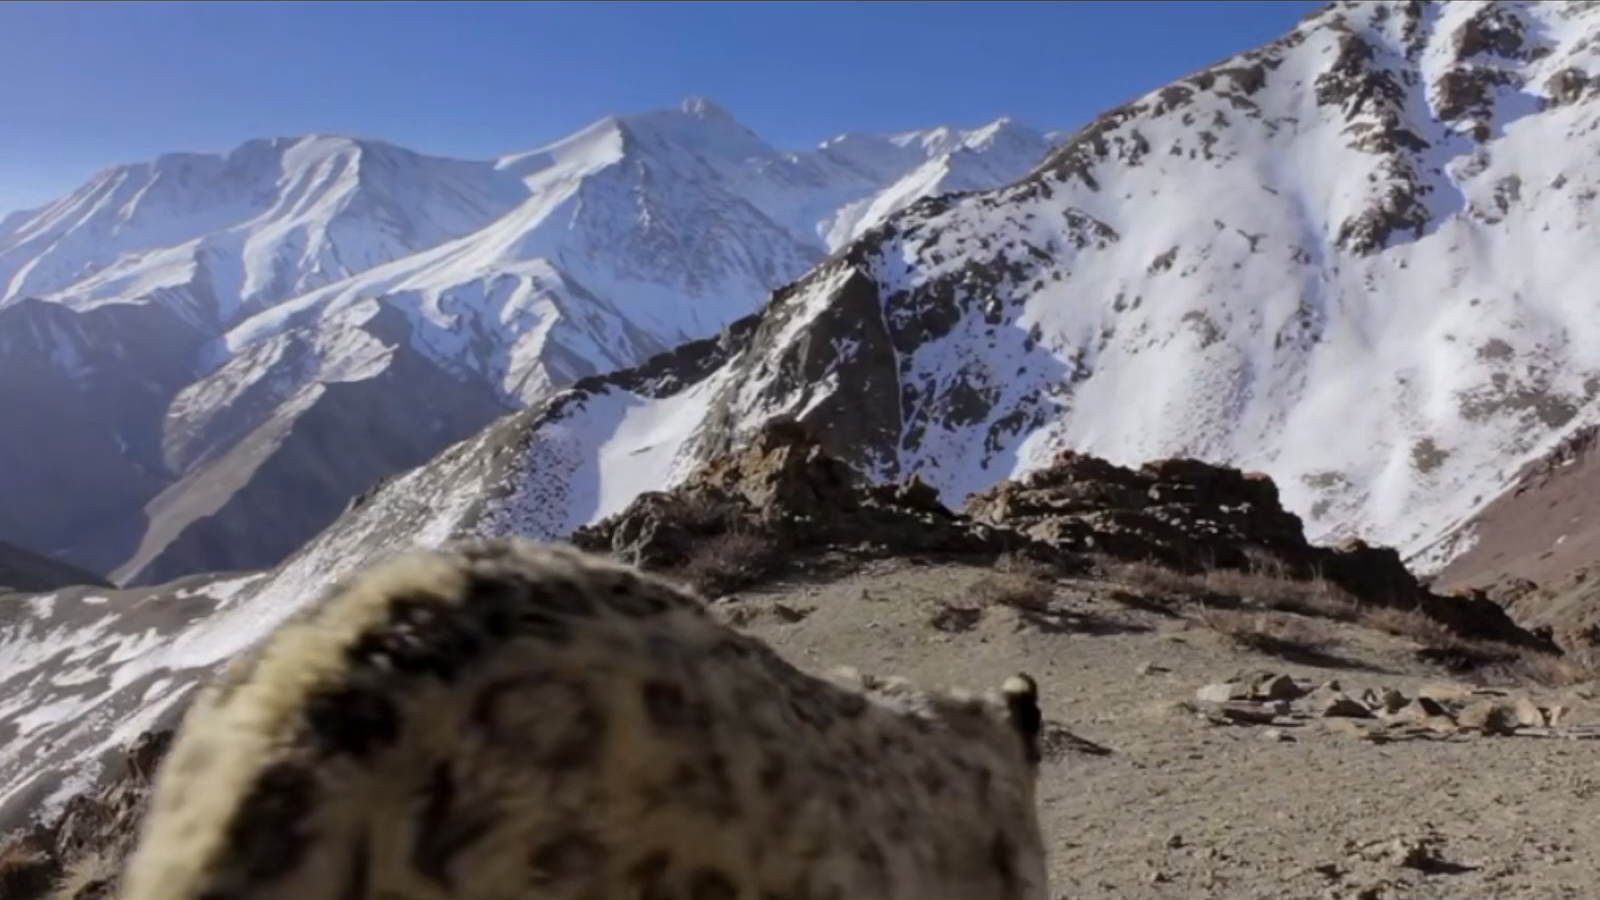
[[1538, 544]]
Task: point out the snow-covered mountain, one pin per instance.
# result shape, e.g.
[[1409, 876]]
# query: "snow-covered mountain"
[[188, 338], [1353, 258]]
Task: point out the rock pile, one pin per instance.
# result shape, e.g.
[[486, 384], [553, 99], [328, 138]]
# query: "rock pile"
[[1286, 706], [1181, 513]]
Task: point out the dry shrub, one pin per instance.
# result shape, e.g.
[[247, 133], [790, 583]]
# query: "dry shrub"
[[1028, 592], [1017, 564], [1555, 671], [707, 513], [1267, 583], [1265, 562], [1018, 582], [1485, 659], [1437, 642], [729, 561], [1311, 597], [1275, 633], [1155, 578], [1413, 624]]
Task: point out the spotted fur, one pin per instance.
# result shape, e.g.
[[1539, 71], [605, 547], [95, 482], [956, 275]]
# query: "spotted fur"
[[503, 720]]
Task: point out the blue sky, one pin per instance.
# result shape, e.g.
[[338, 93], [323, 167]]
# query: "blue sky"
[[84, 85]]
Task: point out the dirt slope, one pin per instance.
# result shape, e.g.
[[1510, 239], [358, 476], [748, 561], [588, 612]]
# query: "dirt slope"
[[1536, 546], [1142, 798]]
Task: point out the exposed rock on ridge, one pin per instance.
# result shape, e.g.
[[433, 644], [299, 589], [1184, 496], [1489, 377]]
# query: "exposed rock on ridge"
[[1180, 513]]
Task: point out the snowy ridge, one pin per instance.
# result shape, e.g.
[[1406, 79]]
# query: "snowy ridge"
[[246, 229], [82, 672], [1347, 259], [697, 221]]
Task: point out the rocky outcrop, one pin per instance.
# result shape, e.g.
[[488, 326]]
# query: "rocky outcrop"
[[1181, 513], [78, 855], [1190, 515], [788, 498], [784, 498]]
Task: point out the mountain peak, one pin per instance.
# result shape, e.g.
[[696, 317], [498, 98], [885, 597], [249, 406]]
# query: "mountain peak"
[[698, 125], [705, 110]]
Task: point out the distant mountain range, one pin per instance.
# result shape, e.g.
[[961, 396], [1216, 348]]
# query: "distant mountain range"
[[205, 357]]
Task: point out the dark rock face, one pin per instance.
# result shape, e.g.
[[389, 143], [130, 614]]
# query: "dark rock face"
[[287, 478], [23, 570], [78, 855], [1190, 515]]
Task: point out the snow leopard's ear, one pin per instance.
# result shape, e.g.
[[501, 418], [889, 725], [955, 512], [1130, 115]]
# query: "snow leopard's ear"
[[1021, 694]]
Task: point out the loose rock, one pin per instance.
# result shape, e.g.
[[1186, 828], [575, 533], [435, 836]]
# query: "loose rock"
[[1527, 713], [1222, 692], [1488, 717]]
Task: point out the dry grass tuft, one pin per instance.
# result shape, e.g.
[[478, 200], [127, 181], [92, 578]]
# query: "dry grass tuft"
[[1261, 596], [1488, 660], [727, 562], [1310, 597], [1266, 584], [1153, 578], [1019, 591], [1275, 633]]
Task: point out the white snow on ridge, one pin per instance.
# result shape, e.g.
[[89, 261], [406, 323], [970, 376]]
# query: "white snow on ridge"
[[675, 221], [89, 685], [645, 451], [1200, 300], [251, 227]]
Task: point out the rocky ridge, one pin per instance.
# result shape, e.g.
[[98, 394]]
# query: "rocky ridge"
[[25, 571], [785, 491]]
